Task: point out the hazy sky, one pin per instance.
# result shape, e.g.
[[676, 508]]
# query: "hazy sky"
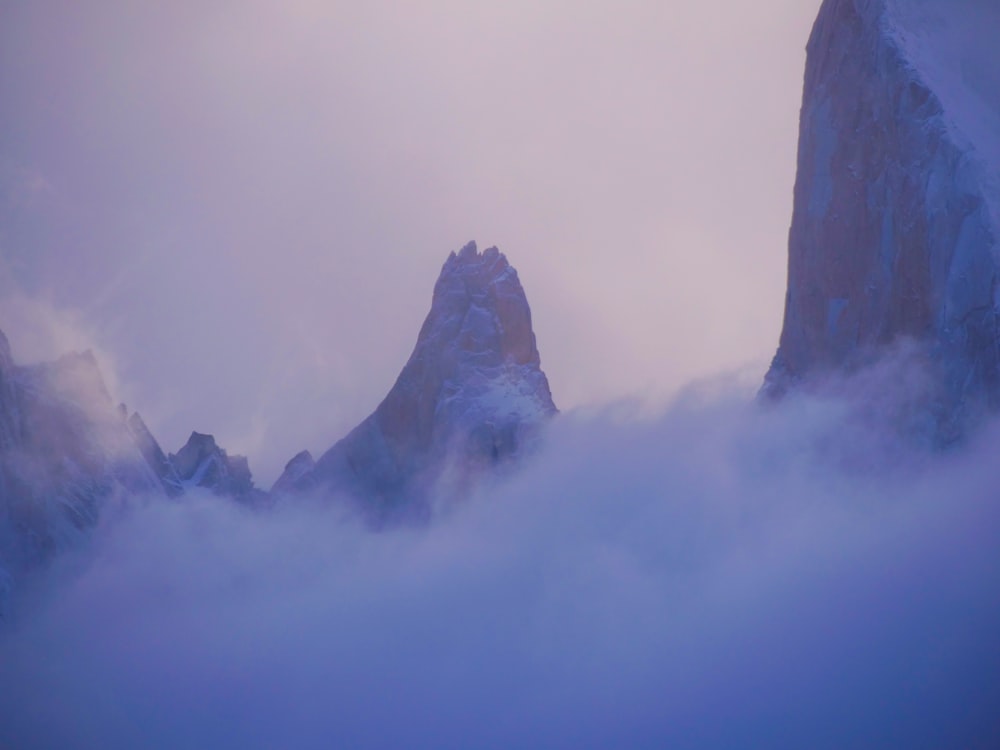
[[244, 205]]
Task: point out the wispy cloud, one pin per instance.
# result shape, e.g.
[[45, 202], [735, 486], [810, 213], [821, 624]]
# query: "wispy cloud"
[[288, 178]]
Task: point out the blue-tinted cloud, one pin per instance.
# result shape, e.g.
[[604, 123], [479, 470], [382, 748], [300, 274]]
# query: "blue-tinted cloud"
[[723, 575]]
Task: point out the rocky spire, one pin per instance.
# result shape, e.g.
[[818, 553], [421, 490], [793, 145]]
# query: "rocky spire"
[[472, 393]]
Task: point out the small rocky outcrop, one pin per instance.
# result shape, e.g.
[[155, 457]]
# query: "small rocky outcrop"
[[202, 463]]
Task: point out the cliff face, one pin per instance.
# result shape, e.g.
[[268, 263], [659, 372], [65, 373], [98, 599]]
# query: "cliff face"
[[894, 231], [471, 395]]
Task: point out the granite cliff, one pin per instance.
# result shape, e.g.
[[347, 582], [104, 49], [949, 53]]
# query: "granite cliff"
[[894, 235]]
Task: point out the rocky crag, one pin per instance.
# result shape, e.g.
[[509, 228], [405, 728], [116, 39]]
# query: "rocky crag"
[[68, 455], [895, 234], [472, 396]]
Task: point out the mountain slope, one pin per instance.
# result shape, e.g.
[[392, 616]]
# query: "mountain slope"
[[66, 454], [895, 233], [471, 396]]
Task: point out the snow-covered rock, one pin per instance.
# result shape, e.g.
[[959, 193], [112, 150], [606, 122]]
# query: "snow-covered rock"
[[471, 396], [897, 207], [66, 454], [202, 463], [157, 460]]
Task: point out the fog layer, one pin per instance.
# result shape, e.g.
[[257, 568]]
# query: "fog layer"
[[723, 575]]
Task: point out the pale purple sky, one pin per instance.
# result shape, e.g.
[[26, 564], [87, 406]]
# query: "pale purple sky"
[[243, 206]]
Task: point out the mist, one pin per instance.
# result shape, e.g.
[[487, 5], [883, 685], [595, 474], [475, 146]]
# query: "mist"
[[722, 574], [245, 205], [241, 207]]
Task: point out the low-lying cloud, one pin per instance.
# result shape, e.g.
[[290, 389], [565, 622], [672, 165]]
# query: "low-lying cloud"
[[722, 575]]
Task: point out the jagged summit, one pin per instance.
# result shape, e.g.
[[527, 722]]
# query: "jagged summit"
[[471, 394], [894, 235], [482, 294], [202, 463]]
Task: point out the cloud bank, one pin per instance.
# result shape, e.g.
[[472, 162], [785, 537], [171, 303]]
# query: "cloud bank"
[[722, 575]]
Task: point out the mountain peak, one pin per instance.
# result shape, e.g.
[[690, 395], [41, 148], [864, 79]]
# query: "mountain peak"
[[196, 450], [469, 254], [477, 272], [479, 308], [202, 463], [468, 251], [472, 392]]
